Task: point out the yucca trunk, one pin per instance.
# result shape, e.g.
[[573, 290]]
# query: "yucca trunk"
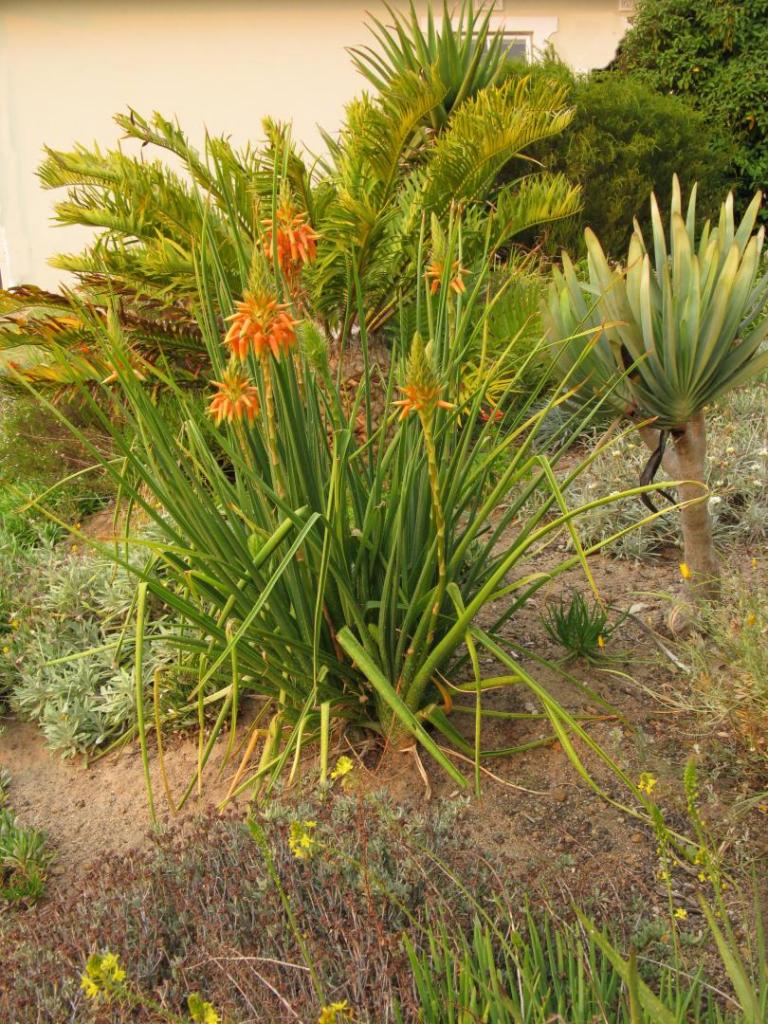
[[685, 460]]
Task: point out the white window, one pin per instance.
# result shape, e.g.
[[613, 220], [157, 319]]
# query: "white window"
[[527, 36], [519, 46]]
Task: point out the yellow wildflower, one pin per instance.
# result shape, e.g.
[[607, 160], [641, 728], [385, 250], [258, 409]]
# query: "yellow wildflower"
[[103, 976], [335, 1013], [601, 642], [646, 783], [681, 913], [751, 619], [344, 766], [89, 986], [685, 571], [301, 842], [664, 875], [200, 1011]]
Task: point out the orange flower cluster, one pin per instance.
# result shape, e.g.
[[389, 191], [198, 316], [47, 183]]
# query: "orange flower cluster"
[[295, 241], [420, 398], [434, 274], [262, 324], [236, 397]]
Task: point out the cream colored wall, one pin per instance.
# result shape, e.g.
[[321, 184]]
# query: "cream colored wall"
[[67, 65]]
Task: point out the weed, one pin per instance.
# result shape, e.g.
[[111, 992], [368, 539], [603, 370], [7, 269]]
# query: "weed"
[[580, 626], [24, 860]]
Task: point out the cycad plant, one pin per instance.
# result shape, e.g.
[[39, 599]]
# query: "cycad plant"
[[439, 130], [331, 567], [681, 325]]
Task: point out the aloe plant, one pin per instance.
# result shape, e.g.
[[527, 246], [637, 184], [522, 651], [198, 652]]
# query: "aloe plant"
[[680, 324]]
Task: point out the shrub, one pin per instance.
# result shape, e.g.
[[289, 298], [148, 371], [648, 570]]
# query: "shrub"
[[68, 652], [627, 139], [713, 56]]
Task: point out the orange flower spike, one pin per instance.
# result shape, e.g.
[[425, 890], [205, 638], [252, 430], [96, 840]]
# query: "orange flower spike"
[[235, 399], [295, 240], [434, 274], [457, 282], [420, 400], [261, 324], [282, 334]]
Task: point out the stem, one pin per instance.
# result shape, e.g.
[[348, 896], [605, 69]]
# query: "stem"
[[685, 460], [698, 545], [269, 402], [439, 519]]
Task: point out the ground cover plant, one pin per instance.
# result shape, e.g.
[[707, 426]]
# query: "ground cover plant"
[[390, 917], [684, 324]]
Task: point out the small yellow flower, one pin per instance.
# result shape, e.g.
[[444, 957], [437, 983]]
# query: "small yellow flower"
[[103, 976], [646, 783], [750, 620], [681, 913], [301, 842], [6, 650], [702, 876], [344, 766], [15, 623], [336, 1013], [601, 642], [89, 986], [200, 1011], [685, 571], [664, 875]]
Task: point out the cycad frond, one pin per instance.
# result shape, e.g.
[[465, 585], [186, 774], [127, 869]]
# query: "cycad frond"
[[532, 201], [485, 134]]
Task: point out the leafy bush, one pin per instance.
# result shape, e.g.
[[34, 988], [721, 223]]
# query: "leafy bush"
[[627, 139], [713, 55]]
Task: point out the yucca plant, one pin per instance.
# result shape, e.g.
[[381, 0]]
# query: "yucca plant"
[[682, 324], [331, 566]]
